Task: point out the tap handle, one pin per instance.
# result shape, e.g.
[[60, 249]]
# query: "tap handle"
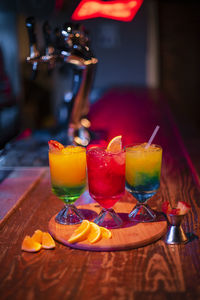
[[49, 48], [47, 34], [34, 53], [80, 41], [30, 24]]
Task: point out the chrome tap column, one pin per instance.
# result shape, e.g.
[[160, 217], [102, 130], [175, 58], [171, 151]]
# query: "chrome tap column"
[[71, 46], [84, 65]]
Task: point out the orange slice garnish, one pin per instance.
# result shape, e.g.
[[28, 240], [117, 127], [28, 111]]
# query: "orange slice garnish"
[[80, 233], [47, 241], [37, 236], [106, 233], [94, 234], [30, 245], [115, 145]]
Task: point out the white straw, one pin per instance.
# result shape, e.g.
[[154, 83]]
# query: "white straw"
[[152, 137]]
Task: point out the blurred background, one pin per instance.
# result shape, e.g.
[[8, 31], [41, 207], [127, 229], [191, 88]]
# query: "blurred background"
[[159, 49]]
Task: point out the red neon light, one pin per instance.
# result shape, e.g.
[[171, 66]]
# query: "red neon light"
[[116, 9]]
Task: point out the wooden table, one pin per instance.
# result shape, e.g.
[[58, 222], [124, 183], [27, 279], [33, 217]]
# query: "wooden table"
[[156, 271]]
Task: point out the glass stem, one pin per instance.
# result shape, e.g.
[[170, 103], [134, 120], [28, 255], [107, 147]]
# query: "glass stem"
[[149, 210], [142, 211], [108, 218], [69, 215]]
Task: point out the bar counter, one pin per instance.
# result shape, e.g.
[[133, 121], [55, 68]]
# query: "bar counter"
[[155, 271]]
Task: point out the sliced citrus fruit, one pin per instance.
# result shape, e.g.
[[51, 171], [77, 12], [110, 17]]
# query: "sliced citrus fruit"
[[105, 233], [30, 245], [37, 236], [94, 234], [115, 145], [80, 233], [47, 241], [55, 146]]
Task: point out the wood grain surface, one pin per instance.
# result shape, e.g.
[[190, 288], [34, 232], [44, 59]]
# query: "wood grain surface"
[[154, 272], [15, 187], [130, 235]]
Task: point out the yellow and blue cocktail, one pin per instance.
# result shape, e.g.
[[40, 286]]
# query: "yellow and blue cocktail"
[[143, 168], [68, 178]]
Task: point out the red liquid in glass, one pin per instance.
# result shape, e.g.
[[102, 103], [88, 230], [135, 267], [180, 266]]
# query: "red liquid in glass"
[[106, 176]]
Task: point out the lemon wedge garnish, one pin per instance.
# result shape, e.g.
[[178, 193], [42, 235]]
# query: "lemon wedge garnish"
[[115, 145]]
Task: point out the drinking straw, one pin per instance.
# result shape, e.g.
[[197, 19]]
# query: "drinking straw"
[[152, 137]]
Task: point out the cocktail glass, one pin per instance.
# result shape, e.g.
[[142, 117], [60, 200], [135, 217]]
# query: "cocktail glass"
[[143, 168], [106, 181], [68, 180]]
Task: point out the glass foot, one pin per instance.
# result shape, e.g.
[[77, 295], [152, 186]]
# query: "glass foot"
[[108, 218], [69, 215], [142, 213]]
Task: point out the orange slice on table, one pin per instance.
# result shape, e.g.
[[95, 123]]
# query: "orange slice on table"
[[30, 245], [115, 145], [106, 233], [37, 236], [80, 233], [94, 234], [47, 241]]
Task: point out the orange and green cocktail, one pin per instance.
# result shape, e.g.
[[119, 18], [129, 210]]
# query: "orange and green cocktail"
[[68, 178], [143, 168]]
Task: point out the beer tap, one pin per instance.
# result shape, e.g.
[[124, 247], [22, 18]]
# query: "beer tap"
[[71, 46], [50, 56]]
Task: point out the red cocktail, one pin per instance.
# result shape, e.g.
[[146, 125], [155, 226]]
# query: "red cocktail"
[[106, 180]]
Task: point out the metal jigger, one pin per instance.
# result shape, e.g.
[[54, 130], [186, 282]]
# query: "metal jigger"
[[175, 233]]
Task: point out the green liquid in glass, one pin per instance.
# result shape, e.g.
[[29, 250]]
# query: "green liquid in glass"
[[68, 194]]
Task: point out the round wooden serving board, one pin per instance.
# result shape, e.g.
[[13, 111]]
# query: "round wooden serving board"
[[130, 235]]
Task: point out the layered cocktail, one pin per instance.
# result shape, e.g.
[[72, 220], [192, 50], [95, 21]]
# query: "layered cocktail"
[[68, 178], [143, 169]]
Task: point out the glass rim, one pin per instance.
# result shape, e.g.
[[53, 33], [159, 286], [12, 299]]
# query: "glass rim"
[[103, 148], [59, 152], [127, 148]]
